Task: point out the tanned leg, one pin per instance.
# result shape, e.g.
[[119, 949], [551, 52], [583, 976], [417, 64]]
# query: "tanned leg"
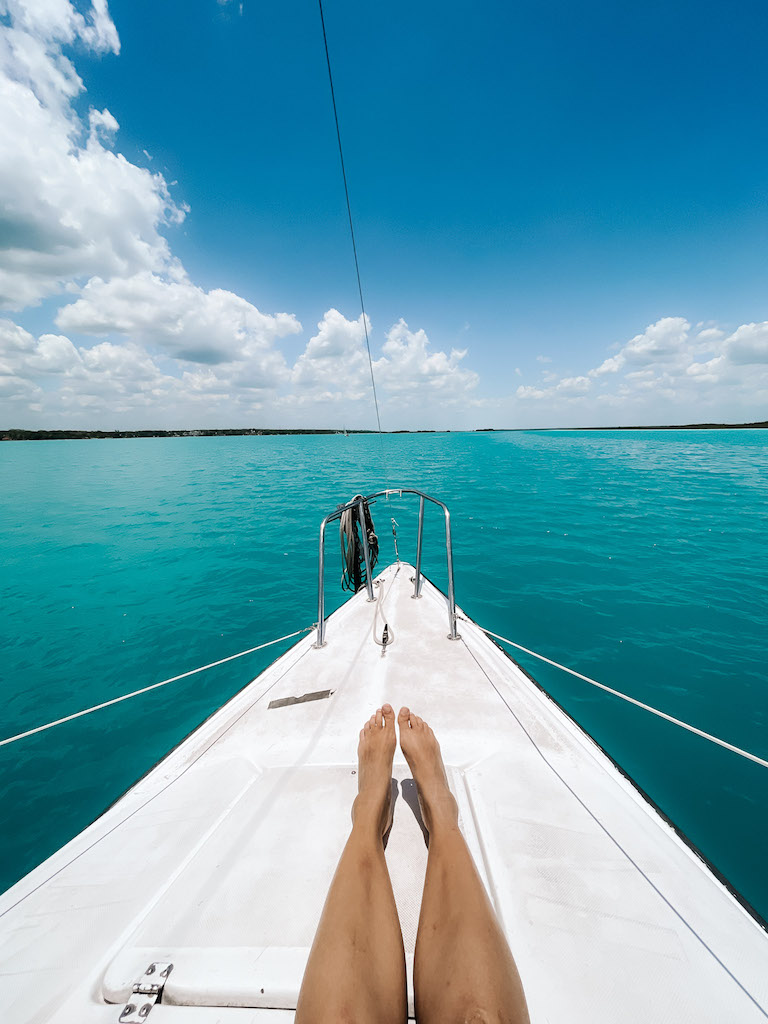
[[356, 967], [463, 969]]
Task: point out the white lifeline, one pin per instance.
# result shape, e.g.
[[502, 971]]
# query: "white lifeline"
[[219, 860]]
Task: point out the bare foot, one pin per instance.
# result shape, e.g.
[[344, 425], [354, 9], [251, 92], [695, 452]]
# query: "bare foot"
[[422, 752], [375, 752]]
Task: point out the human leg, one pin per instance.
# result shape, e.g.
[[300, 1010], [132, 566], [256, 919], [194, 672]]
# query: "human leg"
[[356, 967], [463, 968]]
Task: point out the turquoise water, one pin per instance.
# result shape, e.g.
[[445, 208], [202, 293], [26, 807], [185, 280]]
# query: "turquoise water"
[[639, 558]]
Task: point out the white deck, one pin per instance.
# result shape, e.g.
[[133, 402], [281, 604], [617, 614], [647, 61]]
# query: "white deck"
[[219, 860]]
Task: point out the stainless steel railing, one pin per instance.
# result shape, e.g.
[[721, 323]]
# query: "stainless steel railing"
[[452, 633]]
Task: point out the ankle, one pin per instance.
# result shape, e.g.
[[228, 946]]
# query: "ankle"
[[366, 818], [442, 812]]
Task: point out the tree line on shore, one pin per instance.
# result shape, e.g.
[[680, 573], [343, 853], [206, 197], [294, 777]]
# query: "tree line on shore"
[[84, 435]]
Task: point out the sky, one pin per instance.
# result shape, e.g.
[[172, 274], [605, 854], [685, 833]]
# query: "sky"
[[560, 211]]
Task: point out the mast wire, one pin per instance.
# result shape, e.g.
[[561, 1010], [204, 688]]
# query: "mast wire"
[[624, 696], [146, 689], [349, 215]]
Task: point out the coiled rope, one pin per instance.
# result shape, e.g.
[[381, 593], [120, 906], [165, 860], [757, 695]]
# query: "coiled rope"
[[625, 696], [146, 689], [351, 527]]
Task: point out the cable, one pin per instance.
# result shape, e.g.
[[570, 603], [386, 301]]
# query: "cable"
[[146, 689], [352, 232], [626, 697]]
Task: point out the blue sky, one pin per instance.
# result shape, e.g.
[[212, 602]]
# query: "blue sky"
[[560, 213]]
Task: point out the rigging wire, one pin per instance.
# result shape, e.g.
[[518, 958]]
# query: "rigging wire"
[[387, 639], [146, 689], [624, 696], [351, 226]]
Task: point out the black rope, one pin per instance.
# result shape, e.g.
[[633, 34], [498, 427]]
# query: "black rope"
[[349, 214]]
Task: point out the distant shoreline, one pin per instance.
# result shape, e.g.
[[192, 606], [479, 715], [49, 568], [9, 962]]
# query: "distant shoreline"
[[689, 426], [89, 435]]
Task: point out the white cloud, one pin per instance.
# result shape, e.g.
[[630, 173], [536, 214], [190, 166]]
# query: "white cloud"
[[526, 391], [668, 373], [748, 345], [408, 367], [573, 386], [611, 365], [183, 321], [139, 382], [568, 387], [659, 342], [711, 334], [59, 21], [335, 366], [120, 384], [69, 206], [708, 372]]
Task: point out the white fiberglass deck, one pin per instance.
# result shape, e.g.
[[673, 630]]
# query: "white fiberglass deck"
[[219, 860]]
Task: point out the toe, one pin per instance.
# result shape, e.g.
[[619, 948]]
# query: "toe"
[[379, 717], [367, 726], [404, 718], [389, 716]]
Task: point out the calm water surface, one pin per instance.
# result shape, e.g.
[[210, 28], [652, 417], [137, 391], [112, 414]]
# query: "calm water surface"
[[639, 558]]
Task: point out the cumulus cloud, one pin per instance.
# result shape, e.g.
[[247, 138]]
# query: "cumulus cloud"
[[670, 347], [407, 366], [134, 380], [610, 365], [748, 345], [184, 321], [711, 334], [64, 384], [708, 372], [69, 206], [658, 343], [668, 373], [60, 22], [335, 366], [568, 387]]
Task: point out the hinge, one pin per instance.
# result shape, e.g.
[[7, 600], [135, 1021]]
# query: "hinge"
[[147, 991]]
